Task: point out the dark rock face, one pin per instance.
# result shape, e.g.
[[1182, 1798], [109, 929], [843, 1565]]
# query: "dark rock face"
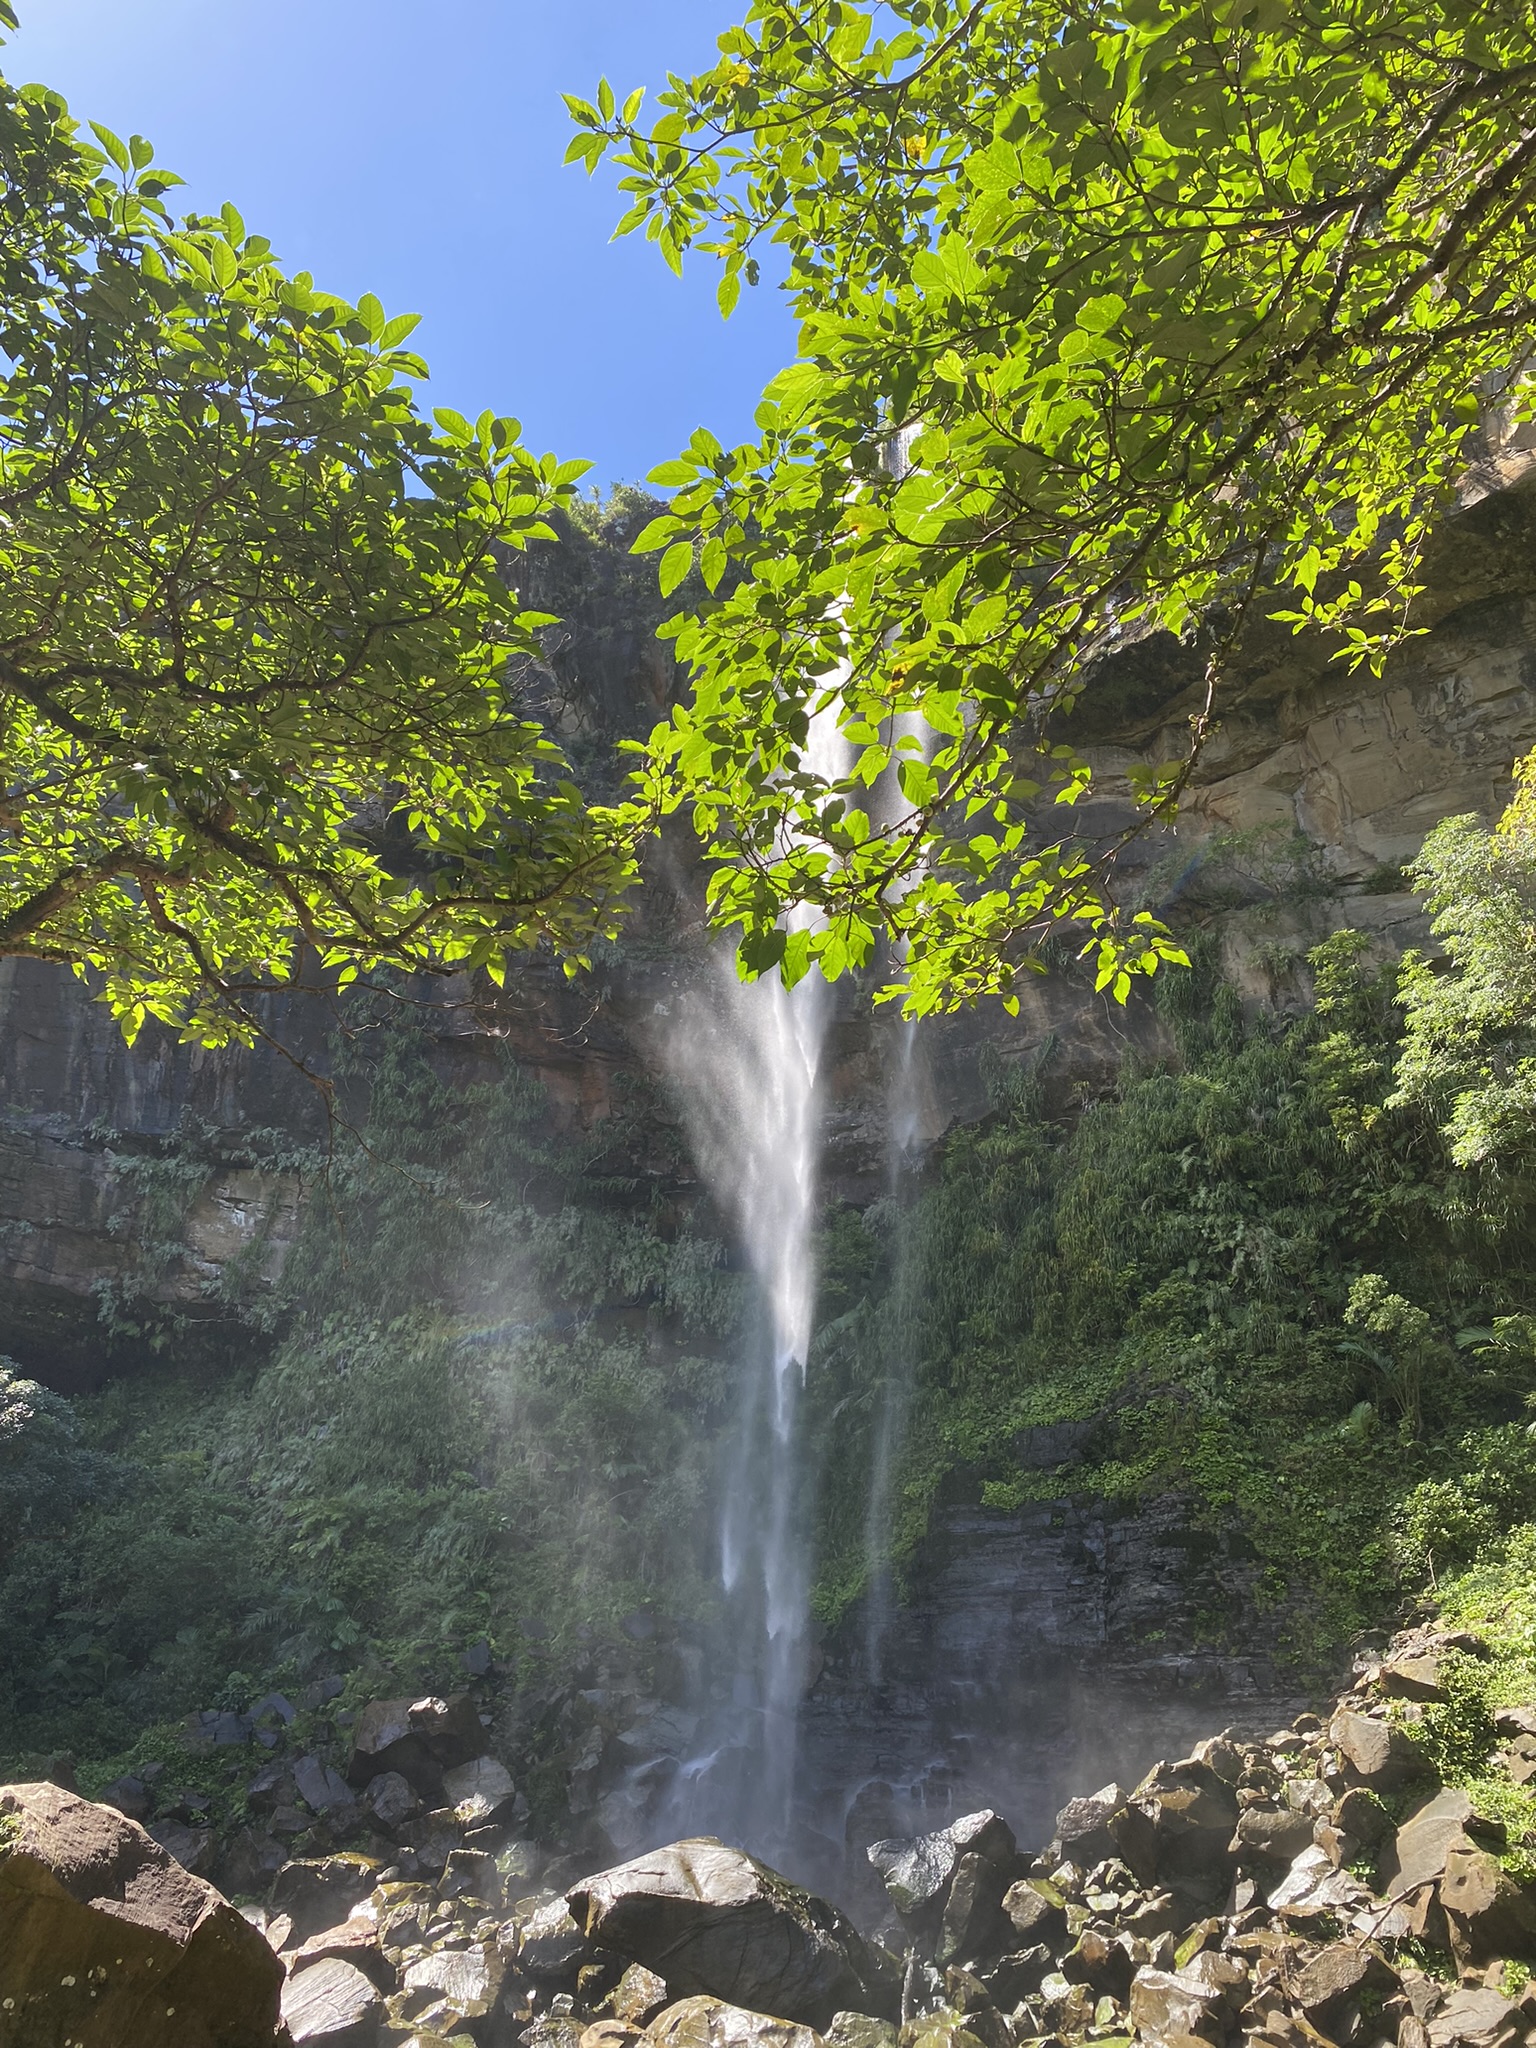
[[1022, 1663], [712, 1920], [105, 1939], [1356, 768]]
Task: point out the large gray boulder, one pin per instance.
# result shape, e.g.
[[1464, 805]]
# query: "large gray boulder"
[[715, 1922], [106, 1940], [916, 1871]]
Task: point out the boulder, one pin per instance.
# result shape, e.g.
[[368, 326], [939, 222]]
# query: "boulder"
[[131, 1796], [1490, 1914], [418, 1738], [355, 1941], [320, 1891], [480, 1791], [390, 1800], [1036, 1909], [974, 1923], [714, 2023], [104, 1938], [1339, 1973], [1271, 1834], [1512, 1721], [1412, 1678], [548, 1944], [463, 1985], [554, 2030], [332, 2004], [322, 1789], [916, 1871], [1477, 2018], [1083, 1831], [1416, 1854], [715, 1922], [613, 2034], [638, 1996], [192, 1848], [1165, 2004], [859, 2030], [1380, 1753], [1175, 1831]]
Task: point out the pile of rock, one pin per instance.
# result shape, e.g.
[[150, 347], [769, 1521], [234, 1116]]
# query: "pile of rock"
[[1312, 1887]]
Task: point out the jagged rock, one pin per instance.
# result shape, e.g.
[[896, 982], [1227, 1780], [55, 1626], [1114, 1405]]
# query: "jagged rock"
[[390, 1800], [1489, 1914], [950, 2030], [192, 1848], [1221, 1755], [916, 1871], [355, 1941], [130, 1795], [1412, 1678], [1036, 1909], [1165, 2004], [1312, 1887], [1018, 1975], [973, 1921], [320, 1891], [433, 1837], [464, 1983], [1417, 1852], [418, 1738], [612, 2034], [96, 1920], [480, 1791], [638, 1996], [251, 1859], [471, 1874], [322, 1789], [1477, 2018], [333, 2003], [548, 1944], [662, 1730], [1083, 1831], [1175, 1829], [1516, 1720], [859, 2030], [554, 2030], [1379, 1752], [1338, 1973], [714, 2023], [1096, 1960], [1272, 1834], [714, 1921]]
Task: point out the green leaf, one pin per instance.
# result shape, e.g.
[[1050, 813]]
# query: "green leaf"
[[114, 146], [675, 565]]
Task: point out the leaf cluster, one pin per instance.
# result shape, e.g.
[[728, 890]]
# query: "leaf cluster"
[[1119, 317]]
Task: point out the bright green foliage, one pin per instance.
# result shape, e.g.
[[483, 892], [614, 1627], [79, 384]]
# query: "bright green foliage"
[[1471, 1041], [1119, 316], [254, 622], [1246, 1272]]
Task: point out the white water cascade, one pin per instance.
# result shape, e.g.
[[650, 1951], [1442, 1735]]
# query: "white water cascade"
[[746, 1060]]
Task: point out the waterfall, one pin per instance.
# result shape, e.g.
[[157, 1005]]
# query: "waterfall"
[[746, 1060]]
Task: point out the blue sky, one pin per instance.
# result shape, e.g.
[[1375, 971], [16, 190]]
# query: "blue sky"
[[415, 151]]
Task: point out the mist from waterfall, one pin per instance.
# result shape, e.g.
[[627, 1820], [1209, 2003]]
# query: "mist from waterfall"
[[745, 1058]]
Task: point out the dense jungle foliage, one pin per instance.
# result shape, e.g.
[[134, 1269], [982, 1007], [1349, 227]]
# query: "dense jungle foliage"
[[1284, 1272]]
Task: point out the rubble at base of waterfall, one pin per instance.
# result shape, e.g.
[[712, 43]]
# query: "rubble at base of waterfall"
[[1316, 1886]]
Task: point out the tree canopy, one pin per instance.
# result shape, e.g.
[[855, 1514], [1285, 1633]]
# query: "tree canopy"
[[1119, 316], [255, 697]]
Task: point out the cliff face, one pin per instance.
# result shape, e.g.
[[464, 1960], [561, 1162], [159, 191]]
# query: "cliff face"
[[1312, 770]]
